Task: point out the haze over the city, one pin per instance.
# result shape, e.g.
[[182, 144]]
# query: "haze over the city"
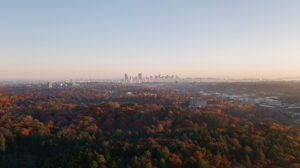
[[105, 39]]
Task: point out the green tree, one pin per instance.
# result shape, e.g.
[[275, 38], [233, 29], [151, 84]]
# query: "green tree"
[[101, 159], [203, 164], [114, 164], [276, 153], [162, 163], [147, 154], [259, 155], [149, 165], [247, 159], [94, 164], [165, 152], [135, 162], [248, 151]]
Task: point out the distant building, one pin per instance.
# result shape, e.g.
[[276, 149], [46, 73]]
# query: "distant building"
[[294, 106], [126, 78], [49, 85], [197, 102], [140, 77], [156, 78], [129, 93]]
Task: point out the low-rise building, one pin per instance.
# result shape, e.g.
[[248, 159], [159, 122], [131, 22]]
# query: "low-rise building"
[[197, 102]]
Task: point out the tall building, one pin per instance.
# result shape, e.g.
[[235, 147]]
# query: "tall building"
[[49, 85], [140, 77], [126, 78]]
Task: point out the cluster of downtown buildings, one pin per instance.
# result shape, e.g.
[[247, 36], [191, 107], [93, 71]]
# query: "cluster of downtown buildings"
[[156, 78]]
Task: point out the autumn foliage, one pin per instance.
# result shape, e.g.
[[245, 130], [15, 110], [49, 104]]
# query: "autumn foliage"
[[94, 127]]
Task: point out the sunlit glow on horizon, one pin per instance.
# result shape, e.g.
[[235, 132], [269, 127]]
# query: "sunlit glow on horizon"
[[55, 39]]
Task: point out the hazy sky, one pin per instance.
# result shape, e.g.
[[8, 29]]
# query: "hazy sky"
[[105, 39]]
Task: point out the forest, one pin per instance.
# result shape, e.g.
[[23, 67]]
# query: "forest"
[[108, 125]]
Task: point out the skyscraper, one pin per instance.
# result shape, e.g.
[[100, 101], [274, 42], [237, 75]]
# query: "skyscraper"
[[126, 77], [49, 85], [140, 76]]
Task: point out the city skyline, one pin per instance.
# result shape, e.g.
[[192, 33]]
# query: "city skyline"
[[100, 39]]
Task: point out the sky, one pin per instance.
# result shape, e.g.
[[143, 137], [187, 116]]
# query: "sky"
[[193, 38]]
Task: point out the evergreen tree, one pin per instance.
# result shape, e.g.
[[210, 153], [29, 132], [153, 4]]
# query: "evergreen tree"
[[162, 163], [247, 159], [260, 155], [203, 164]]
